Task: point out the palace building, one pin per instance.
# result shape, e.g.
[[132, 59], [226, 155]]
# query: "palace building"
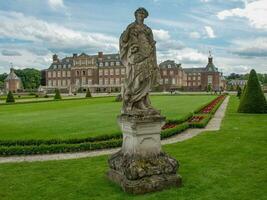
[[105, 73]]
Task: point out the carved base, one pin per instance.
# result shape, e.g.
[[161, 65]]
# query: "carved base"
[[139, 175]]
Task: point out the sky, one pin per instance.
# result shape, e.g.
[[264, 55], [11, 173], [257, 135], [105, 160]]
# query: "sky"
[[235, 31]]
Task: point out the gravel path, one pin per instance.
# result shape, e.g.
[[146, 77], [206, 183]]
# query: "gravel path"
[[213, 125]]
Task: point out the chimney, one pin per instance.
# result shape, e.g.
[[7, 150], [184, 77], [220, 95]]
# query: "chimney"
[[55, 58], [74, 55], [100, 54]]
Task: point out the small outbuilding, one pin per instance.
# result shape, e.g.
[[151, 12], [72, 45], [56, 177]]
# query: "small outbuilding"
[[12, 82]]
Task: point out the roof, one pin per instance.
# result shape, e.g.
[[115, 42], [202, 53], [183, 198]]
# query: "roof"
[[190, 70], [210, 66], [169, 64], [66, 62], [12, 75]]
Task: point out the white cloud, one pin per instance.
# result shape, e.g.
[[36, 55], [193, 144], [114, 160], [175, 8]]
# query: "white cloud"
[[210, 32], [51, 35], [56, 4], [254, 11], [251, 47], [195, 35], [161, 35], [184, 56]]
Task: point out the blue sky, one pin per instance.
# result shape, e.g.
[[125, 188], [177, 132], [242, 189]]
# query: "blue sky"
[[31, 31]]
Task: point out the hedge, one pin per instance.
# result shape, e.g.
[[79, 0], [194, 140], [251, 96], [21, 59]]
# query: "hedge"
[[58, 148], [59, 141]]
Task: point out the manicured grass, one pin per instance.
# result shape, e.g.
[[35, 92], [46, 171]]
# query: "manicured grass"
[[229, 164], [81, 118]]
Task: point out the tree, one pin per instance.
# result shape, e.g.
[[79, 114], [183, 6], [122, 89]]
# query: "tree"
[[253, 99], [57, 94], [239, 91], [209, 88], [88, 94], [10, 98], [30, 78]]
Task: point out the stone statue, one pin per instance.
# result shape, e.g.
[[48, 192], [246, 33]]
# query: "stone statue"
[[141, 166], [138, 55]]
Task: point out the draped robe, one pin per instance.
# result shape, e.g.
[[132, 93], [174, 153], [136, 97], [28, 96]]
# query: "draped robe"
[[138, 55]]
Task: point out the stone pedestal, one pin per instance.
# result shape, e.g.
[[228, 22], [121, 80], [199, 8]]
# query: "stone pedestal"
[[140, 166]]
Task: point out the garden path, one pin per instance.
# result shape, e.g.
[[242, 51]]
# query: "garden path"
[[213, 125]]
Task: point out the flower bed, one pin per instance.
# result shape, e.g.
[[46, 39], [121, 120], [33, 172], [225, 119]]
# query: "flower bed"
[[210, 107]]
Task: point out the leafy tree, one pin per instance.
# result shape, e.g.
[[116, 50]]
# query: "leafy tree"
[[57, 94], [253, 99], [209, 88], [31, 78], [10, 98], [88, 93]]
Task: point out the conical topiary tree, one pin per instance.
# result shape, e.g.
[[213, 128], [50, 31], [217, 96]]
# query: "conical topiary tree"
[[253, 99], [88, 93], [239, 91], [57, 94], [10, 98]]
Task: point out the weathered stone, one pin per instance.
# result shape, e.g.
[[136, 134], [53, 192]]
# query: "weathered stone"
[[141, 166]]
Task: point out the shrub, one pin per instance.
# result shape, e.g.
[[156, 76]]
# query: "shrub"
[[239, 91], [57, 94], [88, 93], [10, 98], [253, 99]]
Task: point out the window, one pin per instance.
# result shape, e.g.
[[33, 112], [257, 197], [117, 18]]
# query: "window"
[[166, 81], [161, 81], [189, 78], [198, 78], [49, 74], [101, 81], [194, 78], [164, 72], [90, 81], [90, 72], [117, 81], [68, 81], [69, 65], [49, 83], [111, 81], [59, 82], [117, 63], [171, 72], [111, 71], [100, 72], [111, 63], [63, 73], [106, 71], [84, 73], [64, 82], [54, 74], [117, 71], [83, 80], [83, 62], [77, 73], [173, 81], [77, 82], [123, 71], [54, 83], [68, 73], [100, 64], [106, 81], [169, 66], [58, 74], [209, 79], [106, 64]]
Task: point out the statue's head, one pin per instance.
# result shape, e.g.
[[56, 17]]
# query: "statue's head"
[[140, 14]]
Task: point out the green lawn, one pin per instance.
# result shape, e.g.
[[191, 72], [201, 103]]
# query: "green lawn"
[[227, 164], [81, 118]]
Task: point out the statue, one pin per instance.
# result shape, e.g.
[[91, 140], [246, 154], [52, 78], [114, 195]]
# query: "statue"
[[141, 166], [138, 55]]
